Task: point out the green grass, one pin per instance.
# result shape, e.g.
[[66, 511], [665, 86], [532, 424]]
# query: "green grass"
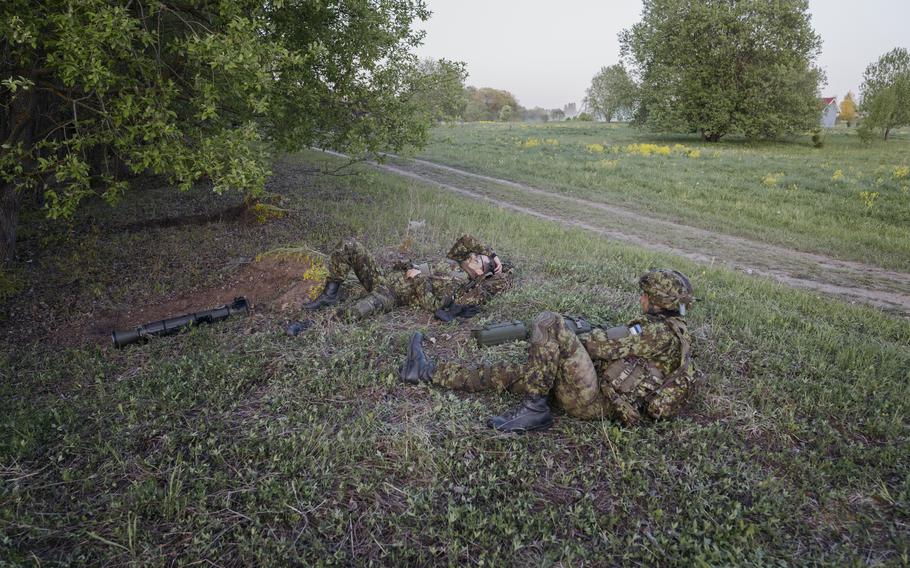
[[240, 446], [787, 193]]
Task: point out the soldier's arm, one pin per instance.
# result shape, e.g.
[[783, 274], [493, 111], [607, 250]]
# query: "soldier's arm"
[[653, 339], [667, 399]]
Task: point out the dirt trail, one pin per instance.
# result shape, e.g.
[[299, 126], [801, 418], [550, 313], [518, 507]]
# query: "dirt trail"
[[853, 281]]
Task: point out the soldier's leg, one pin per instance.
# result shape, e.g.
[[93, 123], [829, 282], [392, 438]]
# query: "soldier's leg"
[[377, 302], [561, 366], [352, 255], [548, 359], [473, 377], [541, 376]]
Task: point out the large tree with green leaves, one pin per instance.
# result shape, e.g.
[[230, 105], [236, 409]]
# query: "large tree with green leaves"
[[612, 93], [886, 93], [94, 91], [722, 66]]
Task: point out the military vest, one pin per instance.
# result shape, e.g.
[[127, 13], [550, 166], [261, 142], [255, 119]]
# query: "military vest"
[[636, 380]]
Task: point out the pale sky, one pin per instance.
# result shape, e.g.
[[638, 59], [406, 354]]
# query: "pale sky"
[[545, 53]]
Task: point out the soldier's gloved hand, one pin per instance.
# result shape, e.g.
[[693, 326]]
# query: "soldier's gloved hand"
[[497, 265], [456, 310]]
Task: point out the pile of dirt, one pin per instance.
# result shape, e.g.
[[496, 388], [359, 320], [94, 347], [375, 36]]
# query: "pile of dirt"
[[269, 284]]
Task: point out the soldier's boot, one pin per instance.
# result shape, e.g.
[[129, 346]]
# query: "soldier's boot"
[[329, 296], [417, 367], [532, 414]]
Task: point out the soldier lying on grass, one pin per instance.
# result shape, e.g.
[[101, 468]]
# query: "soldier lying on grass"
[[453, 287], [647, 372]]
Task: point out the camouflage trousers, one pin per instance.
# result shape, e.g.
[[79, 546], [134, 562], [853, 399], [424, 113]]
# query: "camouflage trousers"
[[386, 290], [557, 364]]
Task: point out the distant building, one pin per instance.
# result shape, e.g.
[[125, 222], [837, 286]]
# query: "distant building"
[[570, 110], [829, 111]]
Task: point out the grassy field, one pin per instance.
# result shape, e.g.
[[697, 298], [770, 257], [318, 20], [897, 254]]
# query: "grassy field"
[[846, 199], [235, 445]]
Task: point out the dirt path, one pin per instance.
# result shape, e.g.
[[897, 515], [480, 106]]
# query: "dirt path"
[[853, 281]]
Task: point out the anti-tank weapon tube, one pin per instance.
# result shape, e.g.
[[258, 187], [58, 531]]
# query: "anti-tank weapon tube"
[[173, 325], [504, 332]]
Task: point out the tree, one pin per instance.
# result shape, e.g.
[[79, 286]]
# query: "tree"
[[721, 66], [612, 93], [93, 91], [439, 89], [557, 114], [847, 109], [505, 113], [485, 103], [886, 92]]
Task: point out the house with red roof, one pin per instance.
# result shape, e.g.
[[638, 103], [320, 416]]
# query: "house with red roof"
[[829, 111]]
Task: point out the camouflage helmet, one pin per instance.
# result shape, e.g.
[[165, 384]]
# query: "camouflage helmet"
[[463, 247], [667, 289]]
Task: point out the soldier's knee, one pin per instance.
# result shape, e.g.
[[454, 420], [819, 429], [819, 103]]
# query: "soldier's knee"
[[542, 326]]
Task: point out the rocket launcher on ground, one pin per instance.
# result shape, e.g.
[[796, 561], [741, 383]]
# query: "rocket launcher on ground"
[[174, 325]]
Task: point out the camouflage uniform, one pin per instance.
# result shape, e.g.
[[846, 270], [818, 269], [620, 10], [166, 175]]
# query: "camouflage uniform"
[[430, 290], [592, 376]]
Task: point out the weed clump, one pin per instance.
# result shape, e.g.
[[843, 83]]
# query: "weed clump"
[[868, 198], [772, 179], [316, 270]]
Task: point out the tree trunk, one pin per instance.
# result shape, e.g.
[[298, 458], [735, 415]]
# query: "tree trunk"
[[18, 127], [887, 130], [9, 219]]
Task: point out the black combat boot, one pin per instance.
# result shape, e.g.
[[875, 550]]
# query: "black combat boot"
[[417, 367], [532, 414], [329, 296]]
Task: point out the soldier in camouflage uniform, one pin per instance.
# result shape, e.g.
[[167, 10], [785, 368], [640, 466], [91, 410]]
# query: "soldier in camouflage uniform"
[[470, 275], [647, 372]]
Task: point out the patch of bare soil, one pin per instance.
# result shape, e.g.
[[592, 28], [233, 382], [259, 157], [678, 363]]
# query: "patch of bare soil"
[[271, 284]]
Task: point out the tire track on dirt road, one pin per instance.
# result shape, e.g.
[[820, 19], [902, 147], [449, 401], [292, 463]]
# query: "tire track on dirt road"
[[850, 280]]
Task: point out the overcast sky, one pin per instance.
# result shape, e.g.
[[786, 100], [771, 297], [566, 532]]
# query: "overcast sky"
[[545, 52]]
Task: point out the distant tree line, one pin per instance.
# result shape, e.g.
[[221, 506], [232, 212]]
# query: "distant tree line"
[[486, 103], [717, 67]]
